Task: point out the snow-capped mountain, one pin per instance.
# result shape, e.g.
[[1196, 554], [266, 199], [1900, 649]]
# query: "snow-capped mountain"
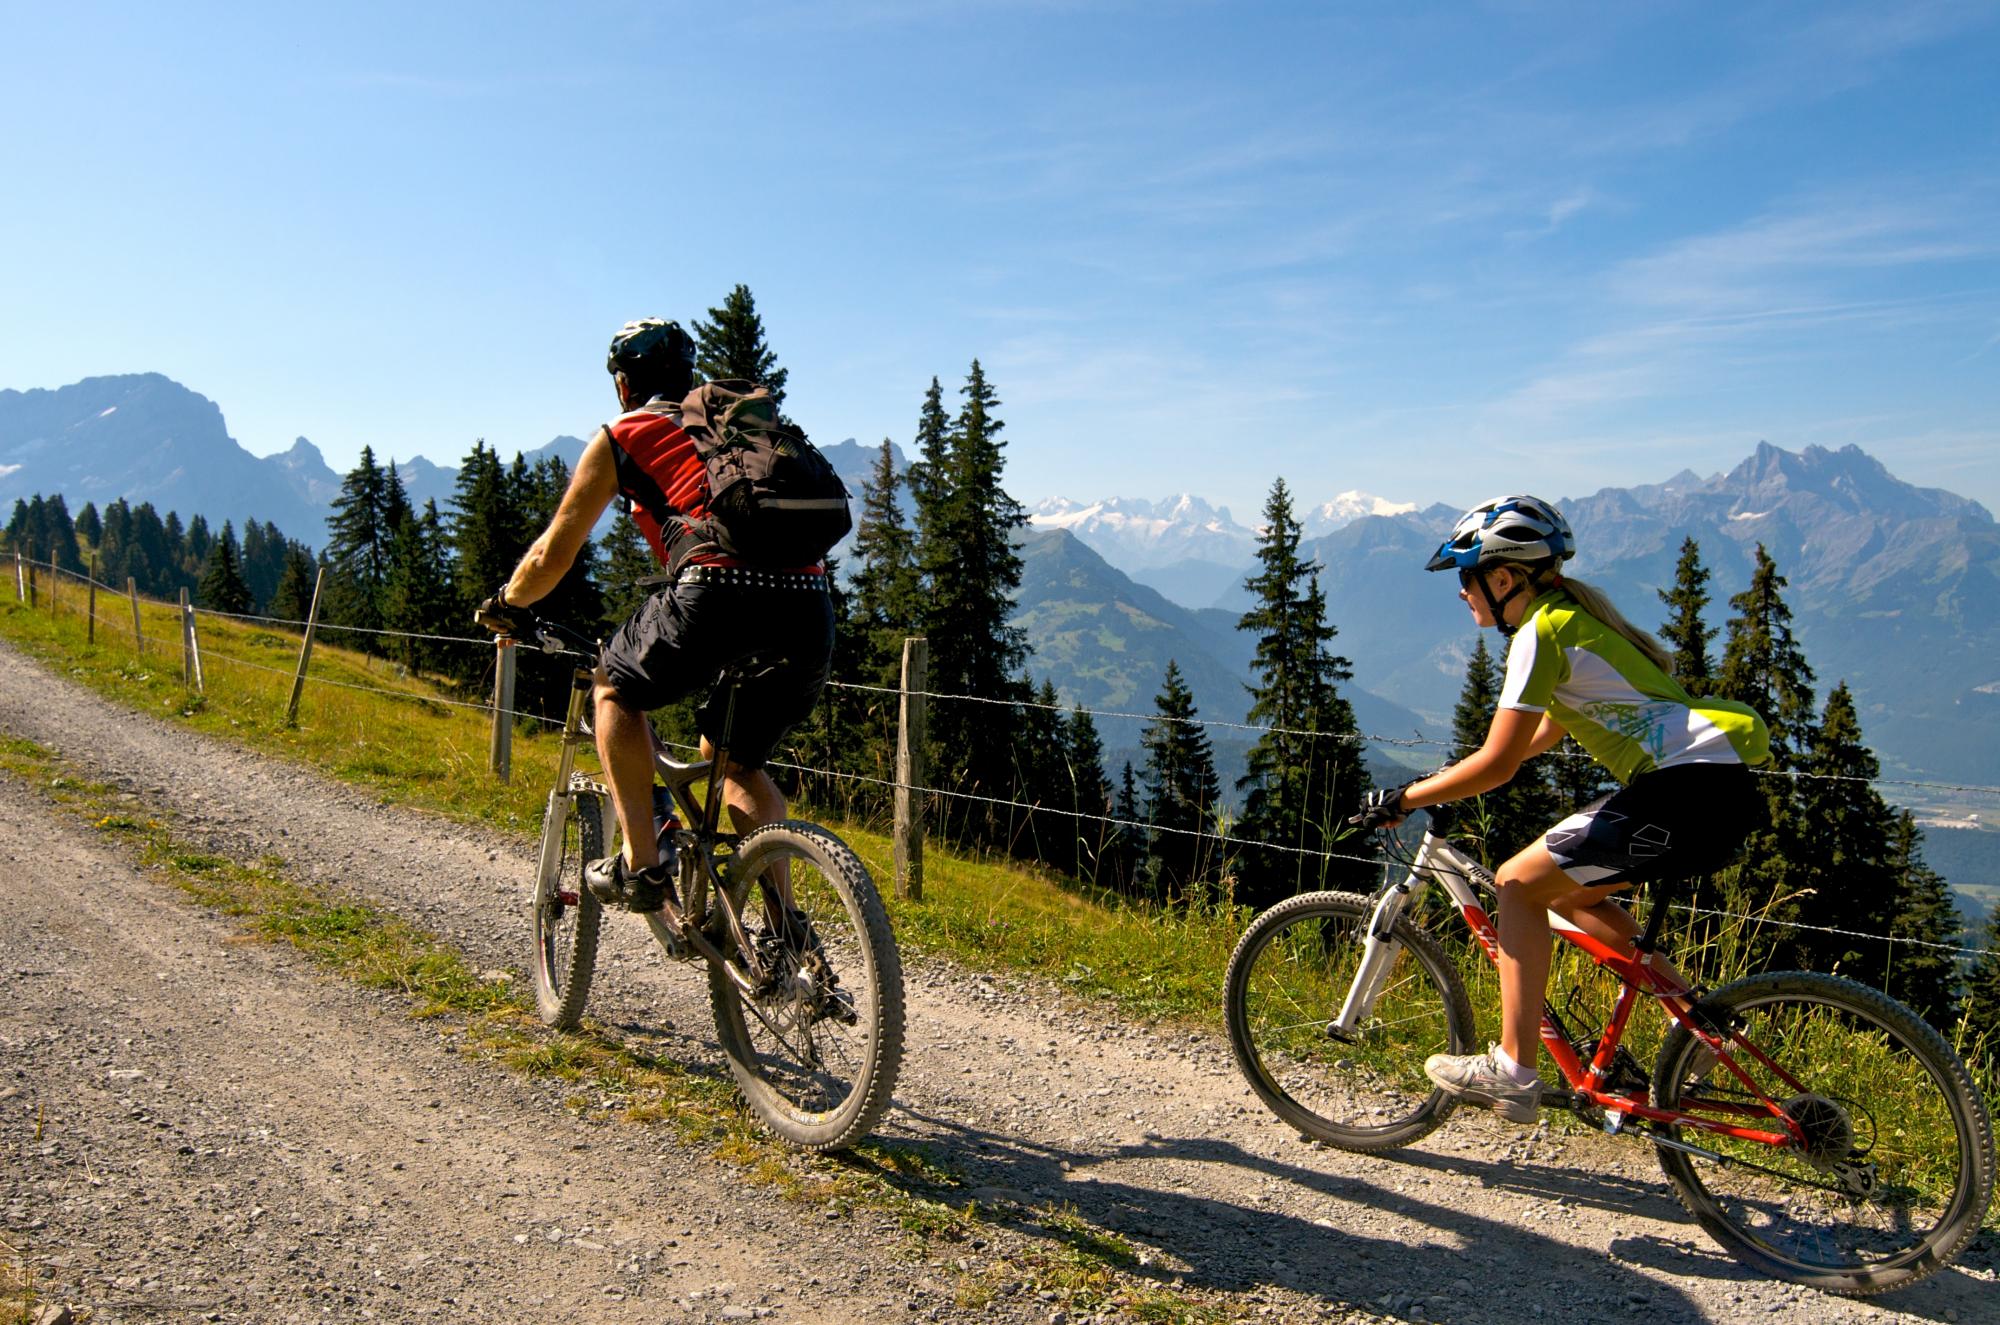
[[1135, 534], [1345, 509], [1187, 549]]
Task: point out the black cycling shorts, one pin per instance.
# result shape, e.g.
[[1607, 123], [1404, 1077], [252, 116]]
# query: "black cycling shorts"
[[1670, 823], [681, 638]]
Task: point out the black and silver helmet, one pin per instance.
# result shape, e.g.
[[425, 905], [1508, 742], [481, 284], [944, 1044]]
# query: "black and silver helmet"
[[1506, 529]]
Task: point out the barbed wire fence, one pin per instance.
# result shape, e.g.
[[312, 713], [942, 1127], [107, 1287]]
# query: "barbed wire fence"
[[910, 789]]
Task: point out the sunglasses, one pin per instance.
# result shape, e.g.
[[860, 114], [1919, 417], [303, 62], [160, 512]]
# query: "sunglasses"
[[1467, 578]]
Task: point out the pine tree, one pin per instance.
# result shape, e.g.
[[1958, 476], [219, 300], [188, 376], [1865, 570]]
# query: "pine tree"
[[416, 596], [57, 536], [18, 525], [930, 473], [1128, 841], [1304, 775], [1843, 862], [195, 545], [627, 561], [292, 599], [486, 527], [359, 536], [1981, 1008], [888, 599], [222, 588], [1041, 779], [156, 549], [1763, 666], [89, 527], [970, 572], [1089, 795], [731, 344], [1181, 794], [1685, 633], [114, 544], [1924, 977], [260, 566]]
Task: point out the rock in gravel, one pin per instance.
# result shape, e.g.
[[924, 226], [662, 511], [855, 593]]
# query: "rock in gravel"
[[55, 1315]]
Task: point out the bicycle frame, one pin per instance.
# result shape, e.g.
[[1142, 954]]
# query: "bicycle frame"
[[699, 875], [1436, 860]]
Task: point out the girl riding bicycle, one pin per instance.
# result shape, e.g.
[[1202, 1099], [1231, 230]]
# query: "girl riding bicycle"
[[1576, 667]]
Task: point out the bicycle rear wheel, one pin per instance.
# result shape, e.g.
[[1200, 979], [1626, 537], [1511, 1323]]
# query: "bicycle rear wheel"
[[1287, 980], [566, 916], [816, 1047], [1896, 1166]]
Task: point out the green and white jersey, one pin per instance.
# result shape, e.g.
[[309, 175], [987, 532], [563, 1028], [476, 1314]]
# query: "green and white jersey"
[[1631, 716]]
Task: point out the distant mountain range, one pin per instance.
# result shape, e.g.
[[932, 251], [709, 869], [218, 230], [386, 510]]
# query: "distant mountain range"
[[146, 437], [1895, 588]]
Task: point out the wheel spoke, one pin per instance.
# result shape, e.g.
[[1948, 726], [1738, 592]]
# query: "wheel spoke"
[[1288, 979], [1894, 1164]]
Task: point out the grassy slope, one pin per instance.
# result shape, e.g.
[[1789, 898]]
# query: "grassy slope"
[[414, 750]]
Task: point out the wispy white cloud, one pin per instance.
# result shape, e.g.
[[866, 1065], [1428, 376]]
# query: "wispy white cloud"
[[1752, 264]]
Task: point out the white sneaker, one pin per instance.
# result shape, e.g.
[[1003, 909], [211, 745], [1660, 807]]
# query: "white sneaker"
[[1479, 1079]]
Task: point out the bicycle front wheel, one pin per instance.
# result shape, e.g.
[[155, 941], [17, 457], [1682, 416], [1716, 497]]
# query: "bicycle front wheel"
[[566, 916], [815, 1047], [1891, 1169], [1287, 980]]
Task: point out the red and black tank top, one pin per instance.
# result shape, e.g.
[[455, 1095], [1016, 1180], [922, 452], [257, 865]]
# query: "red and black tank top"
[[663, 478]]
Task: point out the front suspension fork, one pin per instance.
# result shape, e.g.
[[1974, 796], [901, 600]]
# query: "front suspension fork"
[[1377, 955]]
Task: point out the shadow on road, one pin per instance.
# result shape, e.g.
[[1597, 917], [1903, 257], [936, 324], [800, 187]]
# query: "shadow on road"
[[1415, 1254]]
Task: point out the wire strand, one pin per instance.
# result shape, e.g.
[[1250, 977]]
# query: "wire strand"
[[1797, 775]]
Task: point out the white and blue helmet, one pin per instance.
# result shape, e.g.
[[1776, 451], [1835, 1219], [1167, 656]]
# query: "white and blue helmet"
[[1517, 529]]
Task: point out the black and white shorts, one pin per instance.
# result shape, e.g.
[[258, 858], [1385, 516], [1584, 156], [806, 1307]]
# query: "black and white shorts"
[[1667, 824]]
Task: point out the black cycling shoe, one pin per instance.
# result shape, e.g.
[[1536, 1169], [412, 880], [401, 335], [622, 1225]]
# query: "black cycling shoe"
[[610, 883]]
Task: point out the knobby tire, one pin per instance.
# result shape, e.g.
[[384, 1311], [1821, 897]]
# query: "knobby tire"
[[1287, 981], [1884, 1095], [565, 955], [816, 1055]]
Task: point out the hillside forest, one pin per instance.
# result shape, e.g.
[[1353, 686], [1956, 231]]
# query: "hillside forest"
[[1831, 873]]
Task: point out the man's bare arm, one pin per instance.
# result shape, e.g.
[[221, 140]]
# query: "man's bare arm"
[[549, 558]]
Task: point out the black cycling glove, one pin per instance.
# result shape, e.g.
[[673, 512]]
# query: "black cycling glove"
[[504, 618], [1383, 808]]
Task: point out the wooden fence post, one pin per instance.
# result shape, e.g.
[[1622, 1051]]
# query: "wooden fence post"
[[305, 652], [138, 636], [20, 579], [55, 582], [190, 647], [501, 757], [194, 650], [90, 612], [34, 596], [909, 831]]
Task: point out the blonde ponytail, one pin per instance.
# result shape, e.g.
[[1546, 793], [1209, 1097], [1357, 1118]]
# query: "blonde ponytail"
[[1592, 600]]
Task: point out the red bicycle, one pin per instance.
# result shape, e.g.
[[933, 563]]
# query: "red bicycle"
[[1819, 1130]]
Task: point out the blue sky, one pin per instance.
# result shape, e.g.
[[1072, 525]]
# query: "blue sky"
[[1427, 251]]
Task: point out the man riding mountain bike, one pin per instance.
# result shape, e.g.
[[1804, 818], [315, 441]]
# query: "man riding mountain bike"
[[712, 609]]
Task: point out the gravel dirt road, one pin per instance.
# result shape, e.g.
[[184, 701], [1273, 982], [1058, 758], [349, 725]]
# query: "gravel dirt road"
[[195, 1127]]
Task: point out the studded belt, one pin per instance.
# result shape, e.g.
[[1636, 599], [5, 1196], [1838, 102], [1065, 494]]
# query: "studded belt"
[[745, 577]]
